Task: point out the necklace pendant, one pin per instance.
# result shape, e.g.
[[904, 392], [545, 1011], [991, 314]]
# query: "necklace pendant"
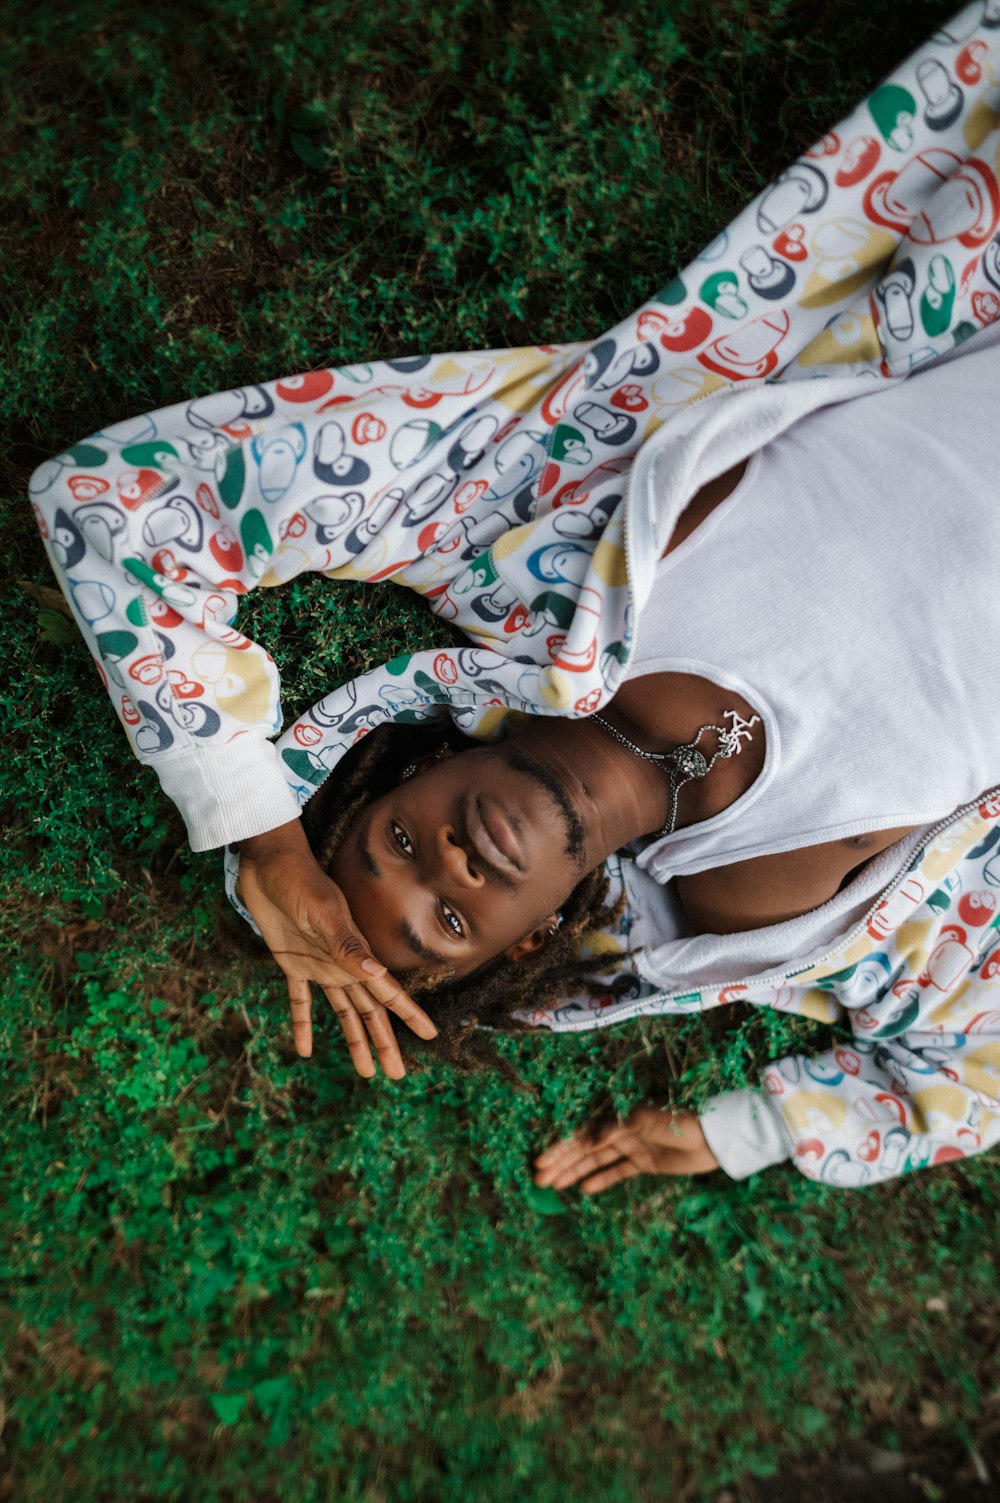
[[731, 739], [690, 762]]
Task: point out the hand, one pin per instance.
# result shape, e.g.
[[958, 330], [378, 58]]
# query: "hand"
[[306, 924], [649, 1141]]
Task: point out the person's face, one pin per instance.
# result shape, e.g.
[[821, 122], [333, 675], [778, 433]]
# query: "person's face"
[[467, 859]]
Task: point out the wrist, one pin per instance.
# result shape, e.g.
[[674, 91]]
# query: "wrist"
[[285, 840]]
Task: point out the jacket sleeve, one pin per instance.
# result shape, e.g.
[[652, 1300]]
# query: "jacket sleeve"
[[895, 1099], [153, 535], [156, 526]]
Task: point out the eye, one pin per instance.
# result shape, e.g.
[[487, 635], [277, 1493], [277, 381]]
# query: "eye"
[[401, 838], [452, 921]]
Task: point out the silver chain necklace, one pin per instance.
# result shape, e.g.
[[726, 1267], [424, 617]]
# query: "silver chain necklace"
[[685, 764]]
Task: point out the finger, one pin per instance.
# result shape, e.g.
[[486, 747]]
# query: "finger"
[[300, 999], [558, 1155], [353, 1030], [584, 1163], [612, 1176], [387, 990], [375, 1018], [354, 955]]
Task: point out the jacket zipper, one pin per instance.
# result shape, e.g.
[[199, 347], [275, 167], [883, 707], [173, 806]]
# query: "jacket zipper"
[[861, 925]]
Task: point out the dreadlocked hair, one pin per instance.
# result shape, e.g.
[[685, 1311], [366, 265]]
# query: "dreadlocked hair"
[[489, 998]]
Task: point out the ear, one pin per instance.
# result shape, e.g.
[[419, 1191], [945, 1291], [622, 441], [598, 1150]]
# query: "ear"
[[431, 759], [533, 940]]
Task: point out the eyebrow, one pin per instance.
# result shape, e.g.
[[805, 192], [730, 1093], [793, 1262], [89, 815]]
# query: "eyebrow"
[[416, 943], [367, 859], [406, 930]]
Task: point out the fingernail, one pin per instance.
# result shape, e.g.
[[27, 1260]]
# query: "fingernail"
[[372, 967]]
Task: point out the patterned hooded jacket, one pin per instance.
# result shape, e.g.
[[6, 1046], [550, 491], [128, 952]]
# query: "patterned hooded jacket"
[[527, 494]]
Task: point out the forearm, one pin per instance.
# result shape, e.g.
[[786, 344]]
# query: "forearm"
[[152, 567], [868, 1111], [285, 840]]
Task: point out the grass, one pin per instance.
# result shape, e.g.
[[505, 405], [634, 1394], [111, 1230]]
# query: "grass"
[[226, 1274]]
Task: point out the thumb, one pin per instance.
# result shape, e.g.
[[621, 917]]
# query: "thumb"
[[353, 954], [346, 945]]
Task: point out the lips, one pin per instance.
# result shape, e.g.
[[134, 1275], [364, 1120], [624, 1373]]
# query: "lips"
[[492, 837]]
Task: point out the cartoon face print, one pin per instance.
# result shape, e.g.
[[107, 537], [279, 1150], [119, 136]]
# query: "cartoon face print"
[[412, 441], [102, 526], [866, 981], [641, 360], [721, 292], [332, 463], [894, 297], [154, 735], [408, 365], [943, 98], [367, 429], [845, 251], [767, 276], [428, 496], [187, 713], [278, 457], [66, 540], [938, 297], [370, 525], [230, 409], [569, 446], [206, 451], [597, 360], [801, 189], [688, 332], [610, 427], [312, 386], [494, 606], [893, 198], [470, 445], [677, 388], [859, 159], [938, 198], [965, 208], [332, 516], [750, 351], [517, 461], [559, 563], [257, 543], [894, 110], [136, 487], [176, 521], [991, 263], [331, 711], [969, 63], [48, 473], [156, 454], [587, 523]]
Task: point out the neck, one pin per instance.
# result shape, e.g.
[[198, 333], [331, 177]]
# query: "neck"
[[619, 796]]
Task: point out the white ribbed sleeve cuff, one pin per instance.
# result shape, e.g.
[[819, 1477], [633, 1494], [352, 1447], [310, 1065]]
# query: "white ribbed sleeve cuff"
[[744, 1132], [228, 793]]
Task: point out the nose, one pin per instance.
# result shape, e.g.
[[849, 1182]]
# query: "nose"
[[455, 861]]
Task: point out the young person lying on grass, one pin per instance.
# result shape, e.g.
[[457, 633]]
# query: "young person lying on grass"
[[753, 751]]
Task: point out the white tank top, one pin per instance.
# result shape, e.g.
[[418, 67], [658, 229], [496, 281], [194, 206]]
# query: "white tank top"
[[849, 589]]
